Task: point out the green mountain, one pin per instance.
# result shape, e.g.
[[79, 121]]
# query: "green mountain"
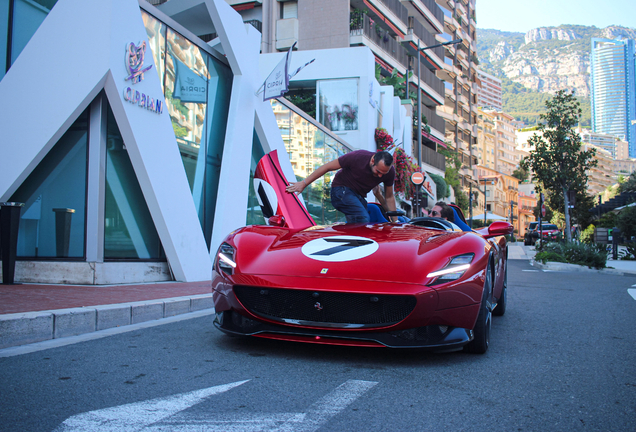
[[534, 65]]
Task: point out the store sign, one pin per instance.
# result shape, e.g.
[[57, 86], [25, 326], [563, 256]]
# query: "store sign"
[[135, 67]]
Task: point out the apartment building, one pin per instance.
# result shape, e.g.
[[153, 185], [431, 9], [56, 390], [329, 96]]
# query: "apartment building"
[[612, 78], [392, 29], [602, 175], [489, 94], [496, 145], [461, 88], [526, 206], [484, 148]]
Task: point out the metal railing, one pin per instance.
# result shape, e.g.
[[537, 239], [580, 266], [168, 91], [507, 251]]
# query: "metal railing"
[[360, 25], [432, 6], [434, 121], [397, 8], [431, 157], [427, 38]]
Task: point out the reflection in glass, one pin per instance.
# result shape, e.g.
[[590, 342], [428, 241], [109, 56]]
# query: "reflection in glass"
[[254, 213], [56, 190], [27, 17], [197, 91], [156, 32], [338, 104], [129, 232], [309, 148], [4, 30]]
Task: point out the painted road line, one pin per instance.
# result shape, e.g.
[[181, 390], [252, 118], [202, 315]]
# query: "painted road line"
[[535, 271], [137, 416], [166, 414], [632, 292]]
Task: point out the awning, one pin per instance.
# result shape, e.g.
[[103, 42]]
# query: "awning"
[[434, 139]]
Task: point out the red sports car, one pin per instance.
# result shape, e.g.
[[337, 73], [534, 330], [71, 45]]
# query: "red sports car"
[[422, 284]]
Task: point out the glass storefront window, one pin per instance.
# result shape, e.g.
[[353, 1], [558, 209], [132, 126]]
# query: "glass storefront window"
[[254, 212], [129, 232], [156, 31], [53, 220], [4, 30], [308, 148], [197, 90], [338, 104], [27, 17]]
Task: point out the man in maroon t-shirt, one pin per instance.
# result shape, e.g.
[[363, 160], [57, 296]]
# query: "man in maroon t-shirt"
[[360, 171]]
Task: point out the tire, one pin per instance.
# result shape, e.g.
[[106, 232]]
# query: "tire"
[[481, 331], [500, 309]]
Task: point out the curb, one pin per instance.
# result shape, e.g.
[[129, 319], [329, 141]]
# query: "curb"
[[30, 327], [557, 266]]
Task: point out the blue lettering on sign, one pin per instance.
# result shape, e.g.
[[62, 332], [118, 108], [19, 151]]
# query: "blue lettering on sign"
[[143, 100]]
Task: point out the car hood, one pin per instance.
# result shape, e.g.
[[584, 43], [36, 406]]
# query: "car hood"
[[401, 253]]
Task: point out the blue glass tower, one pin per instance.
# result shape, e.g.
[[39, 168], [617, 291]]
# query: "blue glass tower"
[[614, 89]]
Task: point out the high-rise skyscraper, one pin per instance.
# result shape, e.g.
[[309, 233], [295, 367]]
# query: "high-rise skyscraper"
[[614, 89]]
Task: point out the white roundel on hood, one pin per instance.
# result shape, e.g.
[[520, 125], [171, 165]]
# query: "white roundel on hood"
[[339, 248]]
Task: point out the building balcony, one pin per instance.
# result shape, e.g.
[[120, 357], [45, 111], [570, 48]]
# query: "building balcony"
[[428, 12], [432, 158], [446, 113]]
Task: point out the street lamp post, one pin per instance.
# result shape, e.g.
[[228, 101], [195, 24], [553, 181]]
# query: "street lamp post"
[[419, 113]]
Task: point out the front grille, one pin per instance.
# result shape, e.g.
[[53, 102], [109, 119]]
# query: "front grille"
[[323, 308]]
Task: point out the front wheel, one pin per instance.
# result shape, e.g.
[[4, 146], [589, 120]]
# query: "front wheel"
[[481, 332]]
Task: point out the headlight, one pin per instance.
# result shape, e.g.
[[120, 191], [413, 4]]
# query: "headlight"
[[225, 258], [453, 271]]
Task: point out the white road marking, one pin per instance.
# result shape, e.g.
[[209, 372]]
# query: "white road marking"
[[136, 416], [632, 292], [537, 271], [165, 414], [634, 285]]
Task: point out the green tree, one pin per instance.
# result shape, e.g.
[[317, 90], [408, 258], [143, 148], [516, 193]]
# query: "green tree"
[[520, 174], [629, 185], [557, 160], [626, 222], [398, 82]]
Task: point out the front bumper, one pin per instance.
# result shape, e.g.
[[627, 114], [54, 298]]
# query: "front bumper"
[[432, 337]]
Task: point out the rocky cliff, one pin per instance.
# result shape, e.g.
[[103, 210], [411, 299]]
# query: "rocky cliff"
[[544, 59]]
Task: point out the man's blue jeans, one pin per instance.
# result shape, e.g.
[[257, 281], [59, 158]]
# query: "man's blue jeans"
[[350, 203]]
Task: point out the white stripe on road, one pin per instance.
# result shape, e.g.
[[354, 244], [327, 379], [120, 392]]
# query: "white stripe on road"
[[166, 414], [632, 292], [136, 416], [537, 271]]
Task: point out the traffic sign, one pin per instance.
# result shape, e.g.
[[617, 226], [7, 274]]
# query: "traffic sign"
[[417, 178], [542, 210]]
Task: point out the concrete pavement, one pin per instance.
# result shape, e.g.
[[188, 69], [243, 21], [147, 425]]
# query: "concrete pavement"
[[31, 313]]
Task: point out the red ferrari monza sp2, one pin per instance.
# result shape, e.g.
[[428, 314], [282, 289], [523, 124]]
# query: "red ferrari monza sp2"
[[423, 284]]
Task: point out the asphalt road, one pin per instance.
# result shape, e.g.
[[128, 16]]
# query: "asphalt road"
[[561, 359]]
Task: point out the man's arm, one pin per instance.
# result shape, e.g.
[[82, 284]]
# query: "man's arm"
[[319, 172], [390, 200]]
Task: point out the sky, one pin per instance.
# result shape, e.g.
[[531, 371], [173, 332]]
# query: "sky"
[[521, 16]]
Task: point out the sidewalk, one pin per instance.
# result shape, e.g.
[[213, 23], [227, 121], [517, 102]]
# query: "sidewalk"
[[32, 313], [519, 251]]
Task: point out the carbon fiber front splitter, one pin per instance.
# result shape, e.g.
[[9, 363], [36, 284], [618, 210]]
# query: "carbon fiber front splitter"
[[433, 338]]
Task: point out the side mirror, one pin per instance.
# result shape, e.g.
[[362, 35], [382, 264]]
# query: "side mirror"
[[276, 220], [498, 228]]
